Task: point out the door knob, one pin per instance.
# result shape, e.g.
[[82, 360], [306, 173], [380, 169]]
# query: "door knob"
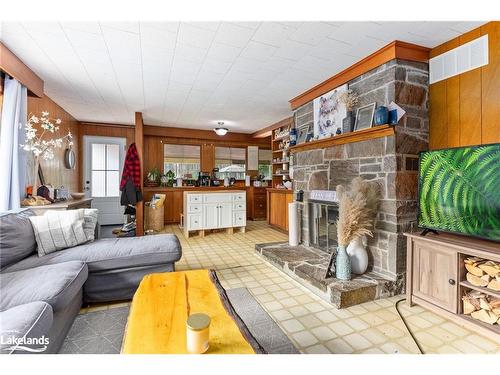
[[451, 281]]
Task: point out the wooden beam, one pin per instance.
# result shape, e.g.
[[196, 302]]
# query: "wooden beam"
[[267, 131], [205, 135], [14, 67], [394, 50], [139, 143]]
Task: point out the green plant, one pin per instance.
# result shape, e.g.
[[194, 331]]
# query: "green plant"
[[154, 175], [459, 190]]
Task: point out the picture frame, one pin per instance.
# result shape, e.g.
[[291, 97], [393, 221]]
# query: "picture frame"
[[364, 117], [302, 133], [328, 112]]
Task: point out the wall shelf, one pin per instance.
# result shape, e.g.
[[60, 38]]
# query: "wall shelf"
[[281, 138], [357, 136], [484, 290]]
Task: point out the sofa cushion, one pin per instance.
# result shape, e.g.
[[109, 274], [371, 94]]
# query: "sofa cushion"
[[17, 239], [32, 321], [58, 230], [114, 253], [90, 216], [55, 284]]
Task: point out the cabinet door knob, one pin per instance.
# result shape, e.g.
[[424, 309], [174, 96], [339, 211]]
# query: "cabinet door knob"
[[451, 281]]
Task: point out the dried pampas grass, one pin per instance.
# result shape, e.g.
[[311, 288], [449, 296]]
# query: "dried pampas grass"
[[357, 210]]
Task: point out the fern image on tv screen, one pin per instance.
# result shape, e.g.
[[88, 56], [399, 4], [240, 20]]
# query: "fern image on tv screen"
[[459, 190]]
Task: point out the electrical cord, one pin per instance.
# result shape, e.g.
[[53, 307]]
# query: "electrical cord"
[[407, 327]]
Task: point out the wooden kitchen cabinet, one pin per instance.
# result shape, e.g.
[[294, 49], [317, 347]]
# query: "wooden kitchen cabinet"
[[277, 207], [256, 203]]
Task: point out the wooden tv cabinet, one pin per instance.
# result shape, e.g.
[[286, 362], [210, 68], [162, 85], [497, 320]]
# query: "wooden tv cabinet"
[[436, 276]]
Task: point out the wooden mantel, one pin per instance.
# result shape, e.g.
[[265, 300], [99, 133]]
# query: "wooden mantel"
[[357, 136], [394, 50]]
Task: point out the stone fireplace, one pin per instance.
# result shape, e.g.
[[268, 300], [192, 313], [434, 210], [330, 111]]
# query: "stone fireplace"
[[391, 161]]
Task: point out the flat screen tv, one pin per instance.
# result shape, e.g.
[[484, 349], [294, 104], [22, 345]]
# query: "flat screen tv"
[[459, 191]]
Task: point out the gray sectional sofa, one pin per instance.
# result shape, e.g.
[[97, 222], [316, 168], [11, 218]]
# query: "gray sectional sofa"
[[42, 295]]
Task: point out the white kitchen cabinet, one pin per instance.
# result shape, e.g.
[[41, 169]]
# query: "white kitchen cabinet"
[[214, 210], [210, 216], [225, 215]]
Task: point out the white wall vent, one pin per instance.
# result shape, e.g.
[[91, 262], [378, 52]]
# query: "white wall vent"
[[471, 55]]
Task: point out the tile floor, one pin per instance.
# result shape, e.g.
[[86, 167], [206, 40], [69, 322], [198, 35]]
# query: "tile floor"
[[313, 325]]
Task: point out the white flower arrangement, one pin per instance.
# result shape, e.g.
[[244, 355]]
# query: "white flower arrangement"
[[38, 145]]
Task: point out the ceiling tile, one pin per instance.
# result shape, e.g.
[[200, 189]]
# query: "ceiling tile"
[[312, 32], [273, 33], [223, 52], [195, 36], [130, 27], [293, 50], [258, 51], [233, 35]]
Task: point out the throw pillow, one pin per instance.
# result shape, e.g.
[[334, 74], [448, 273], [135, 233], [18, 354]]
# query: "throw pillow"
[[89, 222], [58, 230]]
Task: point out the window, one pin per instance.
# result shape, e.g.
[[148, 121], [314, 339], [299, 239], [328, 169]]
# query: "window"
[[105, 172], [231, 162], [183, 160], [265, 166]]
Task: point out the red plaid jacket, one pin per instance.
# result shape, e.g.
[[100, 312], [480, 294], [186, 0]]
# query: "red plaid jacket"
[[131, 168]]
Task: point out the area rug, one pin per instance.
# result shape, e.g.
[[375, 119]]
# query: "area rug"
[[101, 332]]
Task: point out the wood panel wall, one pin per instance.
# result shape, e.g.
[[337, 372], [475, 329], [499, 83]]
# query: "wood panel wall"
[[465, 109], [54, 170]]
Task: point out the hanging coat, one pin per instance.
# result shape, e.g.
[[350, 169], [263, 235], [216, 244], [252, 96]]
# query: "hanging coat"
[[130, 184]]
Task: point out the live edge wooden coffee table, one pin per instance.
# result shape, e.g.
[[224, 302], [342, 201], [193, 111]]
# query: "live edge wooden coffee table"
[[162, 304]]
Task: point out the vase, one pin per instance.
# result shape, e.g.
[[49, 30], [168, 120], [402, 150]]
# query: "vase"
[[32, 174], [381, 115], [358, 255], [342, 264]]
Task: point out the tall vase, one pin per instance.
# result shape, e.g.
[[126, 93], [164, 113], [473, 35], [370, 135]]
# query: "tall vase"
[[32, 171], [342, 264], [359, 256]]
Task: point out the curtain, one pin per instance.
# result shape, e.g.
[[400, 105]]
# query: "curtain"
[[12, 157]]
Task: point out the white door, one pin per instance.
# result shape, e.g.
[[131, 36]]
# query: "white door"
[[210, 216], [103, 163], [226, 215]]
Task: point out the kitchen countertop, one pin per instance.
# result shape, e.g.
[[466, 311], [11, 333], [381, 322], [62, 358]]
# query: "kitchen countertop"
[[281, 191]]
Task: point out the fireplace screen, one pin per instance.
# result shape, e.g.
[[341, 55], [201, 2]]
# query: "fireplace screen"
[[323, 216]]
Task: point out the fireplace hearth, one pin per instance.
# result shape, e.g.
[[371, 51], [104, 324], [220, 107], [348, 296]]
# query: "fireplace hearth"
[[307, 265]]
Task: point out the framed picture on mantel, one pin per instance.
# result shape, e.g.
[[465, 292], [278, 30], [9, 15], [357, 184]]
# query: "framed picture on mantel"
[[364, 117], [328, 112]]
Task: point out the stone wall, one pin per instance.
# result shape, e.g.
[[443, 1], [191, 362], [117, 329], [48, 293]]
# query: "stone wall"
[[390, 161]]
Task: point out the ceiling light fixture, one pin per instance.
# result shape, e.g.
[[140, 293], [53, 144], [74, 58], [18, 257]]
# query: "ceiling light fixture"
[[220, 130]]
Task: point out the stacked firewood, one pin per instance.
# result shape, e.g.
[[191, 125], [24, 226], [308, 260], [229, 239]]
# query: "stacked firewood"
[[479, 305], [485, 273]]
